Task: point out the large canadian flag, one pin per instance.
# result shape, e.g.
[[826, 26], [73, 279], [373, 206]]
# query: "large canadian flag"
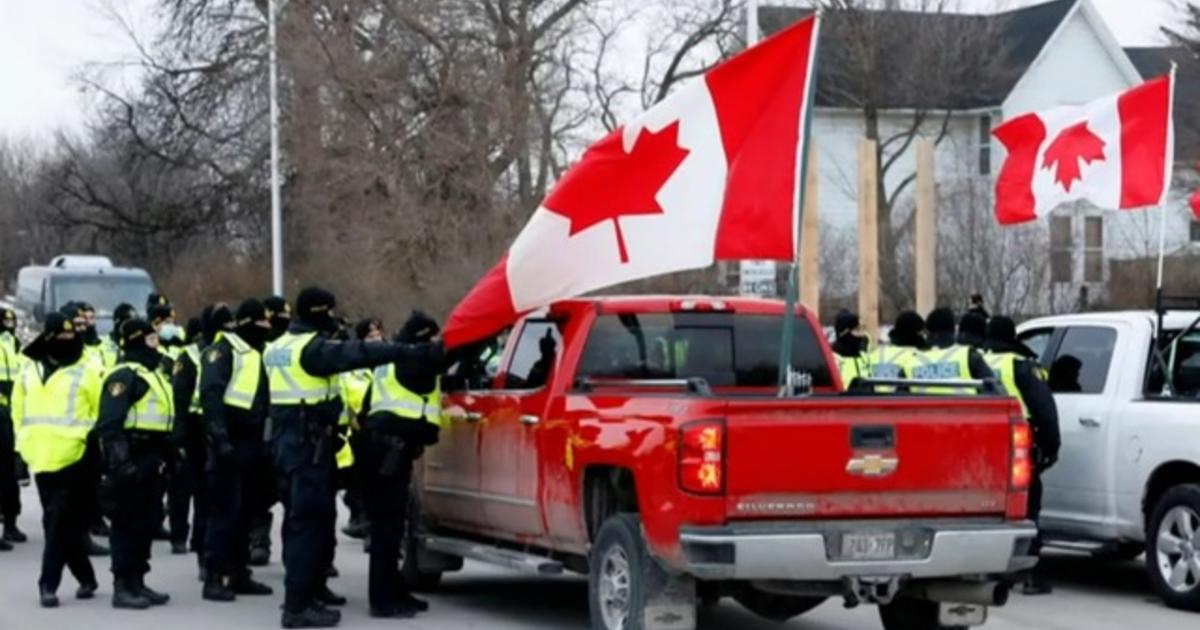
[[1115, 153], [710, 173]]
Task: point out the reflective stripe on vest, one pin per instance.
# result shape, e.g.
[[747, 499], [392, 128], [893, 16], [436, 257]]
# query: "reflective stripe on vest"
[[1004, 364], [387, 394], [247, 369], [156, 410], [953, 362], [53, 416], [890, 361], [289, 382], [193, 353]]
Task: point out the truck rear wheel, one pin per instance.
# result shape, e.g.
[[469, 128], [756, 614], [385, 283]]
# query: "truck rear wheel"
[[626, 584], [778, 608], [1173, 547], [912, 614]]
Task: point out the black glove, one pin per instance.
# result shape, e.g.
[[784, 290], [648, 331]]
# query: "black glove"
[[428, 433], [116, 455]]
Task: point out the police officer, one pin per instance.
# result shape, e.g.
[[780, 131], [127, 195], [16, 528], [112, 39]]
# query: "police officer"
[[184, 487], [850, 346], [10, 491], [302, 367], [76, 312], [355, 385], [54, 407], [234, 397], [972, 331], [946, 358], [1017, 368], [137, 415], [403, 416], [110, 347], [906, 340], [279, 311]]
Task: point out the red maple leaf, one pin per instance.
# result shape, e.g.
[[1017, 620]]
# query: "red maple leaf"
[[1073, 144], [609, 183]]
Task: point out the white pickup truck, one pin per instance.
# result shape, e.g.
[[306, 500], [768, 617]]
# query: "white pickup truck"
[[1128, 476]]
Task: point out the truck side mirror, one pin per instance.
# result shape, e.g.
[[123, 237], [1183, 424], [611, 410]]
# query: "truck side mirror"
[[39, 311]]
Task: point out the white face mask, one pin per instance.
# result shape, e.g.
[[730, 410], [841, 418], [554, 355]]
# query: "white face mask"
[[167, 332]]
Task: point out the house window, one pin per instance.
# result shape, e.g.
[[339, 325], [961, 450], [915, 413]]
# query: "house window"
[[1194, 230], [1061, 250], [1093, 249], [985, 145]]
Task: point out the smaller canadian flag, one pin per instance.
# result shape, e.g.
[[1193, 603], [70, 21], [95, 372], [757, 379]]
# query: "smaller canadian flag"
[[1114, 152]]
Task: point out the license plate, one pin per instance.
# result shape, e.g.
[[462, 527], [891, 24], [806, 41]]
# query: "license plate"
[[868, 546]]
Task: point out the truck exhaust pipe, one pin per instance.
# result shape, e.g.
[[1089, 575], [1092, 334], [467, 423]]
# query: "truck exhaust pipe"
[[980, 593]]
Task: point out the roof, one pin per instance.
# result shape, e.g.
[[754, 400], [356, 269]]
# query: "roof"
[[1021, 35], [1156, 61], [668, 303], [1173, 319]]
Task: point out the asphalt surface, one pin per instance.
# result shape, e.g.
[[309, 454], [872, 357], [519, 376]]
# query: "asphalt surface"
[[1090, 595]]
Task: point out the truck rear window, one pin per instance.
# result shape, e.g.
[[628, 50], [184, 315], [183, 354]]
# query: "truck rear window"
[[726, 349]]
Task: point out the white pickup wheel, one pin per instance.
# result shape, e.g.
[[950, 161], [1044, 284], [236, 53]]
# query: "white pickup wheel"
[[1173, 547]]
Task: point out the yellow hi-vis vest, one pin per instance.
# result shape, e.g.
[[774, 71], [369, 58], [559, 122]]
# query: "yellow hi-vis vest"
[[192, 350], [95, 354], [155, 412], [10, 362], [110, 353], [1004, 364], [853, 367], [354, 385], [247, 370], [290, 383], [890, 361], [52, 417], [387, 394], [953, 362]]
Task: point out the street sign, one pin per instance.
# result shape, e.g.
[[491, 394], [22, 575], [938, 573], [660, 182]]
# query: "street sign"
[[757, 277]]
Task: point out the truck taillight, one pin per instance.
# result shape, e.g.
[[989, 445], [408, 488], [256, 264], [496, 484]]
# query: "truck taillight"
[[1022, 455], [702, 457]]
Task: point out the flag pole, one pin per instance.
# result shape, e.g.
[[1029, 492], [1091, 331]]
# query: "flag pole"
[[1162, 206], [793, 289]]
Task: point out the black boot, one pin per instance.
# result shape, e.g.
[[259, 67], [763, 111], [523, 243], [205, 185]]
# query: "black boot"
[[156, 598], [394, 611], [179, 549], [5, 545], [47, 598], [127, 595], [329, 598], [13, 534], [216, 589], [86, 591], [310, 617], [332, 572], [1036, 585], [405, 598], [95, 549], [357, 529], [249, 586]]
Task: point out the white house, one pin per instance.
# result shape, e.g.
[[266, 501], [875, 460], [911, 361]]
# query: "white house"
[[1061, 52]]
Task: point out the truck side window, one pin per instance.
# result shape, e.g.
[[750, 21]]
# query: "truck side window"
[[1082, 362], [475, 366], [535, 356], [1038, 340]]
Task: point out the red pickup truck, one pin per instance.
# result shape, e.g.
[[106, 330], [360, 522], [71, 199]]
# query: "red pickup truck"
[[644, 441]]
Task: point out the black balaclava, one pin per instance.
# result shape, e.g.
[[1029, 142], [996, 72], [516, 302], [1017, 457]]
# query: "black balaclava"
[[134, 347], [123, 313], [249, 314], [216, 318], [1002, 337], [314, 307], [280, 313], [907, 331], [847, 342], [939, 327], [420, 328], [972, 329], [61, 352], [156, 299]]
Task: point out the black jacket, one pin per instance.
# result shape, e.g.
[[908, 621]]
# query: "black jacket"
[[183, 384], [1043, 412], [223, 422], [122, 389]]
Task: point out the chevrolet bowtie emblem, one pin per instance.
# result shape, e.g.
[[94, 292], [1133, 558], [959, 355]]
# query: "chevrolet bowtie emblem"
[[873, 465]]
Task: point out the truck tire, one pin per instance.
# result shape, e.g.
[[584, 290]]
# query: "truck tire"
[[1173, 547], [410, 570], [912, 614], [777, 608], [625, 583]]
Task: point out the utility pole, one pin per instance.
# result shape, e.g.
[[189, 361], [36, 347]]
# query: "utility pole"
[[276, 210]]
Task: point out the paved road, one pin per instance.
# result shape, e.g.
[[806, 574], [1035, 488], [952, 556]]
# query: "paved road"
[[1091, 596]]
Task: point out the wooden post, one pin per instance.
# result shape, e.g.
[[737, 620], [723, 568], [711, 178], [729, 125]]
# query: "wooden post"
[[925, 245], [868, 238], [810, 240]]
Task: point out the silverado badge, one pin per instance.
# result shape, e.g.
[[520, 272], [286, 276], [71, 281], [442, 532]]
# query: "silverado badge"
[[873, 465]]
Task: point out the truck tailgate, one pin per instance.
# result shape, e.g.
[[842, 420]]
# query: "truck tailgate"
[[868, 457]]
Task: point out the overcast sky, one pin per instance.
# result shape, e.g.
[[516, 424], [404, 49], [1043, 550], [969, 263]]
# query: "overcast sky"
[[43, 43]]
